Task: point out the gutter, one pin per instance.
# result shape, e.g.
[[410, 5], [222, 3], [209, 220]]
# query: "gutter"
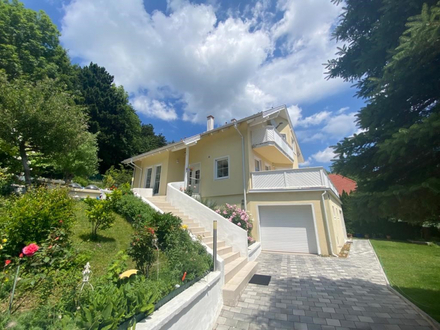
[[242, 165], [327, 226]]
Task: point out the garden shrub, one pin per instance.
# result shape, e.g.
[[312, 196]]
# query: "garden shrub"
[[239, 217], [114, 177], [6, 181], [100, 214], [133, 208], [143, 248], [165, 224], [80, 180], [34, 215]]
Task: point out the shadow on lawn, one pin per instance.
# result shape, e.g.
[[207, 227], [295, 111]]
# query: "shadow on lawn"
[[98, 238]]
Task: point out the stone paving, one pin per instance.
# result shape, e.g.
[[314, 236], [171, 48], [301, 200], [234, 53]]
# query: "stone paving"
[[308, 292]]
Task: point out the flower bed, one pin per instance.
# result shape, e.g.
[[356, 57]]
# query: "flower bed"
[[50, 285]]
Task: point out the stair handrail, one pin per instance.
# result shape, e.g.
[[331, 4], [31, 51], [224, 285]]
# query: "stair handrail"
[[233, 235]]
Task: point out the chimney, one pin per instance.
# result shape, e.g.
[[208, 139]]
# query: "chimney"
[[210, 123]]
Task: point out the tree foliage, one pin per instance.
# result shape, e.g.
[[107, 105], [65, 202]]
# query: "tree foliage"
[[393, 55], [120, 134], [29, 44], [41, 118]]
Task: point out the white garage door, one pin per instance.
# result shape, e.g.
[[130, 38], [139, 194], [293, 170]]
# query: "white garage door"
[[288, 228]]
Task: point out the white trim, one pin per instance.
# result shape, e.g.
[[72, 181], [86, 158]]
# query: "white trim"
[[153, 176], [292, 204], [215, 167], [279, 190], [146, 174], [258, 160]]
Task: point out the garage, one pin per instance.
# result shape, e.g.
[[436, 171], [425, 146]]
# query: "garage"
[[288, 228]]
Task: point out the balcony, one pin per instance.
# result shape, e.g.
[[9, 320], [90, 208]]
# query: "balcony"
[[270, 144], [314, 178]]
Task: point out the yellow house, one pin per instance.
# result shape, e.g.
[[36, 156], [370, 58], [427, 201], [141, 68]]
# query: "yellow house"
[[253, 162]]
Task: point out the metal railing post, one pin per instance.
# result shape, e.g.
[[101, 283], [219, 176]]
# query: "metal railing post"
[[214, 243]]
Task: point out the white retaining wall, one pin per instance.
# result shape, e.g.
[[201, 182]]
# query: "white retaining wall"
[[196, 308], [227, 231]]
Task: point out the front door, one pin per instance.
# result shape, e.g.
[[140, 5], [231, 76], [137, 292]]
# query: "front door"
[[194, 177], [157, 180]]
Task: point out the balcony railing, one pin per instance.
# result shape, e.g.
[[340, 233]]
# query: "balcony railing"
[[303, 178], [267, 135]]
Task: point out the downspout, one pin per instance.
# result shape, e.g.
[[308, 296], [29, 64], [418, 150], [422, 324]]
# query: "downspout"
[[132, 179], [242, 166], [140, 168], [329, 237]]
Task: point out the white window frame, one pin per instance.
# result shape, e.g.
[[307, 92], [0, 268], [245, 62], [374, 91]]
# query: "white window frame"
[[146, 175], [256, 159], [215, 167]]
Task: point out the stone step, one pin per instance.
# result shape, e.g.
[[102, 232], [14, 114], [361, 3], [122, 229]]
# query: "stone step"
[[229, 257], [207, 239], [219, 244], [234, 267], [233, 289], [224, 250], [196, 230]]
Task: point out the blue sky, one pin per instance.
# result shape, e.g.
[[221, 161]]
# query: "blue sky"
[[183, 60]]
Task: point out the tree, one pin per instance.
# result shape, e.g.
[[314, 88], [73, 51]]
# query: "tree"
[[393, 55], [111, 115], [148, 140], [29, 44], [39, 118]]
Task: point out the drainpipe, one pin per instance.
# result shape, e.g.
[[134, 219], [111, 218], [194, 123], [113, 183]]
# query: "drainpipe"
[[243, 169], [185, 176], [329, 237], [132, 179], [140, 168]]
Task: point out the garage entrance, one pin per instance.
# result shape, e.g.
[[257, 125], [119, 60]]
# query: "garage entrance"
[[288, 228]]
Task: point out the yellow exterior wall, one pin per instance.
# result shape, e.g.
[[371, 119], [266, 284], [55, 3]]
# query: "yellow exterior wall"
[[335, 222], [151, 161], [289, 198]]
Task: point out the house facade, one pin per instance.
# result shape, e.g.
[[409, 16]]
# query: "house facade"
[[253, 162]]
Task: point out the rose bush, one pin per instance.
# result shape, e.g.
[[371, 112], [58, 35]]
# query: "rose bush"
[[239, 217]]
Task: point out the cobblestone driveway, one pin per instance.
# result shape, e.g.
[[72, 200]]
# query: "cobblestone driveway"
[[314, 293]]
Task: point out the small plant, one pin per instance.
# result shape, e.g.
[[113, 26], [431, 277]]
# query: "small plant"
[[239, 217], [100, 214], [143, 248], [114, 177], [190, 190]]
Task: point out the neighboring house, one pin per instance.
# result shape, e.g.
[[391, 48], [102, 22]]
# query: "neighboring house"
[[343, 183], [253, 162]]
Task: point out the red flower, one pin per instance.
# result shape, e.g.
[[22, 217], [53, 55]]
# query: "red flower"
[[61, 221], [57, 238], [7, 262], [30, 249], [20, 255], [50, 246]]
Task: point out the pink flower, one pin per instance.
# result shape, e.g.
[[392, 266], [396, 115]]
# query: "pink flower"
[[242, 217], [224, 212], [7, 262], [239, 223], [218, 211], [20, 255], [30, 249]]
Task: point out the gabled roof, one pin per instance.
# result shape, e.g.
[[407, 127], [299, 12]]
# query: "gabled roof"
[[343, 183], [193, 139]]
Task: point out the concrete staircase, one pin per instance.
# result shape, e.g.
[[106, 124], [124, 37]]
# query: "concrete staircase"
[[238, 270]]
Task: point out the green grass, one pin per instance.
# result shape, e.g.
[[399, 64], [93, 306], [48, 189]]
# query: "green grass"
[[414, 271], [104, 249]]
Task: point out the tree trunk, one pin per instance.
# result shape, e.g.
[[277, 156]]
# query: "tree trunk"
[[24, 160]]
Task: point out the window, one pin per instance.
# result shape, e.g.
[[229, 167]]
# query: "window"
[[221, 168], [283, 136], [257, 165], [148, 179]]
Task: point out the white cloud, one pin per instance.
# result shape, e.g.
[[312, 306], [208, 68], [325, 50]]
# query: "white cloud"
[[154, 108], [324, 156], [225, 68], [314, 119], [341, 125], [343, 109]]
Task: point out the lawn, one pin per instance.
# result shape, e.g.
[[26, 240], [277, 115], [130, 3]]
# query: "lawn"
[[104, 249], [414, 271]]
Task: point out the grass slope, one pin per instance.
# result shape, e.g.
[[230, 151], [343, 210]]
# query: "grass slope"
[[104, 249], [414, 271]]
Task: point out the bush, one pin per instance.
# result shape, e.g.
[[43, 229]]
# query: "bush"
[[116, 177], [239, 217], [33, 216], [165, 224], [82, 181], [100, 214], [6, 181], [143, 248], [132, 208]]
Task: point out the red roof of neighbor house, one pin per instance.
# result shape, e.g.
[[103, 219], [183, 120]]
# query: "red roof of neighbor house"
[[342, 183]]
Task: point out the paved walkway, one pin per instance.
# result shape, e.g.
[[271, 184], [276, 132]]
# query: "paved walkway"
[[314, 293]]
